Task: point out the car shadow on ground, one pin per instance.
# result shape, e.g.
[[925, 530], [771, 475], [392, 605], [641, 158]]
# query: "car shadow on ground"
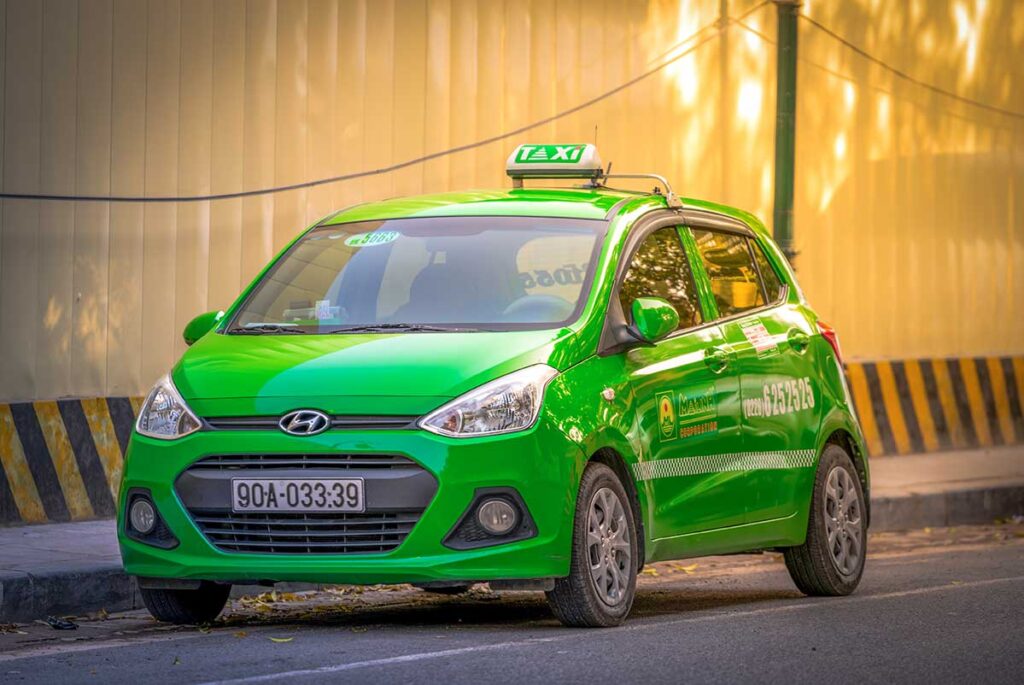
[[477, 609]]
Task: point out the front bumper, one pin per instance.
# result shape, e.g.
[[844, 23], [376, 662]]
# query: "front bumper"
[[542, 465]]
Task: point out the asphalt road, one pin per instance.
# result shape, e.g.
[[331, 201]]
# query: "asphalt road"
[[935, 606]]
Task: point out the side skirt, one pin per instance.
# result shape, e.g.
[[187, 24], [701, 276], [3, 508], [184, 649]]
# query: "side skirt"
[[781, 532]]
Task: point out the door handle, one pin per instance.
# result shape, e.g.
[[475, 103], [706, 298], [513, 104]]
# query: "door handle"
[[798, 340], [716, 359]]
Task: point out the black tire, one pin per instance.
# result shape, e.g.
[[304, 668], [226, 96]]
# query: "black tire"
[[453, 589], [187, 607], [813, 566], [575, 599]]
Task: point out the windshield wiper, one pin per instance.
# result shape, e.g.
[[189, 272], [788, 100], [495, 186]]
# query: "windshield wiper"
[[403, 327], [263, 328]]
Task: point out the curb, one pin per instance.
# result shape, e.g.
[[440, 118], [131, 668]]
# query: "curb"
[[92, 586], [88, 587], [952, 508]]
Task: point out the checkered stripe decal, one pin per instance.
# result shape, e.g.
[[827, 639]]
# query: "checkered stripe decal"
[[716, 463]]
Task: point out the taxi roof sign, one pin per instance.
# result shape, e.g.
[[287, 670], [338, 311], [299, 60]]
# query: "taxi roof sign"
[[554, 161]]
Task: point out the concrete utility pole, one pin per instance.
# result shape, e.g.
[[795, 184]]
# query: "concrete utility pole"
[[785, 124]]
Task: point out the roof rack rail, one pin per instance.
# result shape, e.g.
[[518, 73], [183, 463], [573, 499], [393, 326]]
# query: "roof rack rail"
[[670, 196]]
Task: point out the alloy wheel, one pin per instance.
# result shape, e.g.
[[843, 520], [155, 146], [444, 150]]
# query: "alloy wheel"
[[608, 546], [843, 522]]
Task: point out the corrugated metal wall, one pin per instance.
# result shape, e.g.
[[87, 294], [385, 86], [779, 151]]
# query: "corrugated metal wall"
[[908, 203]]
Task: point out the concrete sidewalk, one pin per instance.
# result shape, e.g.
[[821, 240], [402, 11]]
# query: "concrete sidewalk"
[[75, 568]]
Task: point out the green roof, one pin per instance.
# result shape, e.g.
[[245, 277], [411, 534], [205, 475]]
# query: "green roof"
[[575, 203]]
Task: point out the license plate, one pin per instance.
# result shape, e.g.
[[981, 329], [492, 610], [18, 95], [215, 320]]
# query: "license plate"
[[297, 494]]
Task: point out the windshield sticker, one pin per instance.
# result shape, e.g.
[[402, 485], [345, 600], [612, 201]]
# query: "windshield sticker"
[[688, 413], [325, 311], [760, 338], [372, 239], [777, 399]]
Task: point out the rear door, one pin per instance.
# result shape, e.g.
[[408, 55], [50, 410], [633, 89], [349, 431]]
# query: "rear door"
[[686, 398], [779, 390]]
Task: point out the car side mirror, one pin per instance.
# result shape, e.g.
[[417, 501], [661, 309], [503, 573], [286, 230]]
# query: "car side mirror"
[[653, 318], [200, 326]]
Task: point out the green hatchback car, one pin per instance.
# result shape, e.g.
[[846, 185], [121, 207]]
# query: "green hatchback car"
[[536, 388]]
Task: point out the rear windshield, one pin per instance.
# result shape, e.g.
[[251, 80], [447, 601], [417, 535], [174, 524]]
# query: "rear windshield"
[[490, 273]]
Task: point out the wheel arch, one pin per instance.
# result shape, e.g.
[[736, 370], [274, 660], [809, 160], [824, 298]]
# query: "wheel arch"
[[844, 439], [613, 460]]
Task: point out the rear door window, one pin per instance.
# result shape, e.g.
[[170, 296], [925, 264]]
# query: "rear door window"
[[730, 267], [771, 280]]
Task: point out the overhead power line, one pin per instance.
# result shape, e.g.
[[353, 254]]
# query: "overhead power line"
[[907, 77], [713, 28]]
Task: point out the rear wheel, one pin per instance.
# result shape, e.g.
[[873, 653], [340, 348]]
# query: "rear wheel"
[[601, 585], [831, 561], [186, 607]]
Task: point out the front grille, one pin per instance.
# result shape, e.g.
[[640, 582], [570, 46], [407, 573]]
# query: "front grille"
[[337, 422], [260, 462], [318, 533]]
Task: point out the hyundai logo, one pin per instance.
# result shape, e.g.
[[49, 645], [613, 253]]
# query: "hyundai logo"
[[304, 422]]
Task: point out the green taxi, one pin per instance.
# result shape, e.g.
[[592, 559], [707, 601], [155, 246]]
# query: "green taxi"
[[538, 388]]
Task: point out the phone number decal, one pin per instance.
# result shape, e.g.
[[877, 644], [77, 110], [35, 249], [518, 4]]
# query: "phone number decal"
[[783, 397]]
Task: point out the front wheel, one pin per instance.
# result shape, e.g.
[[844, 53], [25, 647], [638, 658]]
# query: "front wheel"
[[186, 607], [601, 584], [831, 560]]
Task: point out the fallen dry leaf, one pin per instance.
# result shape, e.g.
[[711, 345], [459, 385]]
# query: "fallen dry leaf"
[[281, 639]]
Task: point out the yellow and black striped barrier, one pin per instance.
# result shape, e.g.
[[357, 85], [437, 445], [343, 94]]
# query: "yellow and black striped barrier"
[[62, 459], [926, 405]]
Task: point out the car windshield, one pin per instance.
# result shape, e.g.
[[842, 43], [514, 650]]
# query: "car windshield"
[[452, 273]]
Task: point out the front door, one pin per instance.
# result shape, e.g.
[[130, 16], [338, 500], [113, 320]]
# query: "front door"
[[686, 397]]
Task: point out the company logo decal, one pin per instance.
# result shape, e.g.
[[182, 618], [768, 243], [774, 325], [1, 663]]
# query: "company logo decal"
[[666, 415], [694, 411], [304, 422]]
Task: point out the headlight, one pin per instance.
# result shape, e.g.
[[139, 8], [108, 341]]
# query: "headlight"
[[164, 415], [505, 405]]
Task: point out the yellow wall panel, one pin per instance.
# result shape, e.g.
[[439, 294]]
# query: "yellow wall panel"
[[437, 108], [226, 152], [159, 337], [92, 219], [291, 129], [908, 203], [127, 177], [378, 107], [258, 144], [322, 56], [56, 237], [410, 93], [19, 244], [195, 109]]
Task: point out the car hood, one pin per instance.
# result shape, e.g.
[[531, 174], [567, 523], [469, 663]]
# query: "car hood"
[[395, 373]]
